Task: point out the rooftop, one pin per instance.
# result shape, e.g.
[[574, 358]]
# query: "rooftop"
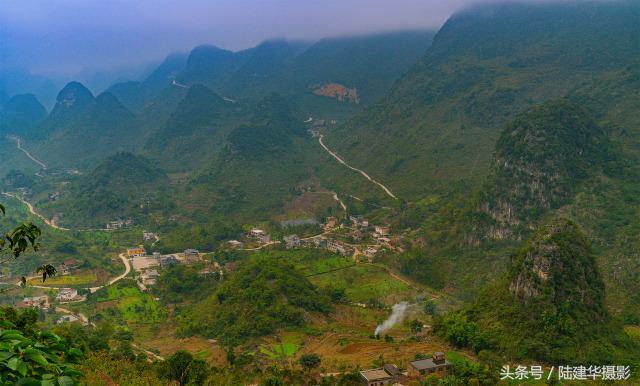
[[424, 364], [375, 374]]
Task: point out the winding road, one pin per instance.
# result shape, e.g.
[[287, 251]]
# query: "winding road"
[[334, 155], [33, 211], [19, 146]]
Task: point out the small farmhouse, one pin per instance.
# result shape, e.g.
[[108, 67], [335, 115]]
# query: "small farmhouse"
[[36, 301], [386, 375], [235, 244], [67, 294], [259, 235], [136, 252], [149, 277], [437, 364], [292, 241], [382, 230]]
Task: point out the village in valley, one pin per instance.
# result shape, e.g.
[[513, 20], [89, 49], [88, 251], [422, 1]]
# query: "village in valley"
[[344, 249], [349, 238]]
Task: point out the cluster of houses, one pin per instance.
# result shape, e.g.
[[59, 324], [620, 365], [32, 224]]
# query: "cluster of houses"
[[34, 301], [120, 224], [149, 237], [255, 235], [67, 295], [417, 370], [259, 235], [146, 265]]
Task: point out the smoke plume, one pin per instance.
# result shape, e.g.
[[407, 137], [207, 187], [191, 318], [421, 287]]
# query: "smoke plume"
[[397, 315]]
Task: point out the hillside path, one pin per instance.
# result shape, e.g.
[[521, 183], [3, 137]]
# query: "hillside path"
[[364, 174], [33, 212], [34, 159]]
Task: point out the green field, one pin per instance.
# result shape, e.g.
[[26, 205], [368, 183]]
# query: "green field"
[[287, 348], [132, 305], [69, 280]]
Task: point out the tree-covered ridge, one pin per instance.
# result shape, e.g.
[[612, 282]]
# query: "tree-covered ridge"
[[556, 267], [439, 122], [271, 129], [540, 160], [195, 131], [262, 296], [83, 129], [549, 306], [260, 163], [122, 186], [20, 114]]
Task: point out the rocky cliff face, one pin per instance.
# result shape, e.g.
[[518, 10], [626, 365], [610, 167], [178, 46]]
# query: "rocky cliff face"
[[339, 92], [539, 162], [556, 267]]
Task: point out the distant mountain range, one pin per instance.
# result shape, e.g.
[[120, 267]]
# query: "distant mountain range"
[[515, 114]]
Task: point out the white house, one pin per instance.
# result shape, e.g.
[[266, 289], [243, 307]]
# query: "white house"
[[67, 294]]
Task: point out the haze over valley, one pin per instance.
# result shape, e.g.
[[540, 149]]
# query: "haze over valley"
[[278, 193]]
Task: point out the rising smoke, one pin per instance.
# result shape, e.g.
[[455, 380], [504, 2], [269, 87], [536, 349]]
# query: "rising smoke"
[[398, 312]]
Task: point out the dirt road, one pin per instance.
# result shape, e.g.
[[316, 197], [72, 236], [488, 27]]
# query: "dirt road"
[[334, 155]]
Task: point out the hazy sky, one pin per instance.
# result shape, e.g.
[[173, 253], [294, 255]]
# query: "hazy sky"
[[69, 37]]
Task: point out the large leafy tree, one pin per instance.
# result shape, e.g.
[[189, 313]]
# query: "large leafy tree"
[[17, 241], [29, 356]]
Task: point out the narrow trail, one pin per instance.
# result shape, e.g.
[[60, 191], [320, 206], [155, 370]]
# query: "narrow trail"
[[33, 212], [34, 159], [174, 83], [364, 174], [50, 223], [335, 197]]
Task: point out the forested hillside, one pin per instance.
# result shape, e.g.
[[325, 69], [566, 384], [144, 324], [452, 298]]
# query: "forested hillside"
[[82, 129], [440, 121], [123, 186], [314, 208], [20, 114]]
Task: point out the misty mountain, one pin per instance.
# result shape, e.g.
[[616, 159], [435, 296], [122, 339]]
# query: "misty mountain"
[[134, 94], [20, 114], [121, 186], [194, 131], [540, 161], [83, 129], [260, 163], [441, 119], [19, 81]]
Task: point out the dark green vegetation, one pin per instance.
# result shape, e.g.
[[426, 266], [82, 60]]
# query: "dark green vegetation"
[[261, 161], [518, 114], [440, 121], [28, 354], [549, 306], [194, 130], [122, 186], [21, 114], [83, 129], [263, 296], [541, 160]]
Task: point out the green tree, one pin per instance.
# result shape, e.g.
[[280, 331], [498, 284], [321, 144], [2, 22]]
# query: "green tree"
[[17, 241], [416, 326], [430, 307], [29, 356], [183, 368], [310, 361]]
